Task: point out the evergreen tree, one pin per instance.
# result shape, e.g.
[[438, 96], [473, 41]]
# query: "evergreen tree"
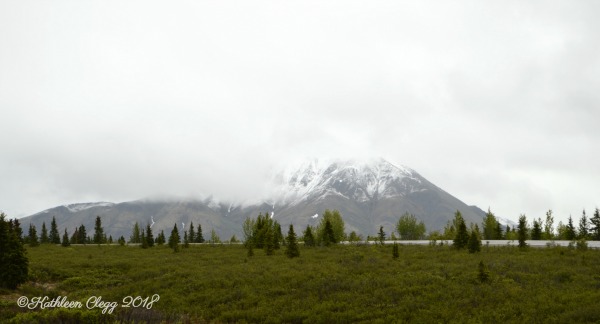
[[337, 225], [144, 240], [33, 238], [199, 235], [277, 236], [328, 236], [174, 239], [536, 231], [65, 239], [192, 234], [268, 245], [583, 227], [98, 231], [135, 234], [291, 249], [395, 252], [44, 237], [14, 264], [595, 228], [160, 240], [309, 239], [490, 226], [548, 226], [570, 233], [522, 231], [474, 243], [54, 236], [499, 233], [82, 237], [18, 230], [461, 240], [121, 240], [186, 239], [149, 236], [381, 235]]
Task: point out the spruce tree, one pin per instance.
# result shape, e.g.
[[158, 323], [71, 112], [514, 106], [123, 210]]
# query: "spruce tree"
[[328, 234], [474, 244], [595, 228], [536, 231], [570, 230], [65, 239], [149, 236], [18, 230], [144, 244], [583, 227], [135, 234], [199, 235], [44, 237], [160, 240], [33, 238], [14, 265], [291, 249], [54, 235], [268, 245], [381, 235], [82, 237], [174, 239], [98, 231], [522, 231], [186, 239], [461, 240], [192, 234], [121, 240], [277, 235], [309, 239]]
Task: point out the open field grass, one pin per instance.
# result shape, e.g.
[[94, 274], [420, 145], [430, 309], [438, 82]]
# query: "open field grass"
[[426, 284]]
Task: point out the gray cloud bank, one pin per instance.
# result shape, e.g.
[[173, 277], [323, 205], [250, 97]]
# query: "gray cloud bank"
[[497, 103]]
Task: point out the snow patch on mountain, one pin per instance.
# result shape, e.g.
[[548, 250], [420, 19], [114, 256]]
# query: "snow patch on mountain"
[[79, 207]]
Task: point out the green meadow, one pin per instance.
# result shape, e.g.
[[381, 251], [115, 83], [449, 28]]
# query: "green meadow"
[[338, 284]]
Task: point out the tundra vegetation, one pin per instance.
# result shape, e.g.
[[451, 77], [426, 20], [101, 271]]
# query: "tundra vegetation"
[[319, 282]]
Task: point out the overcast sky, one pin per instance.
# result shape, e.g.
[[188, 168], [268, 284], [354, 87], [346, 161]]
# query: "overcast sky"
[[497, 103]]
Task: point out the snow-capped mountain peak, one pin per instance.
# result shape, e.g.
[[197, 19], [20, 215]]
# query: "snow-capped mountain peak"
[[79, 207], [360, 180]]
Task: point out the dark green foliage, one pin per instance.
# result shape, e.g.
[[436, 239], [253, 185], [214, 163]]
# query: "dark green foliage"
[[99, 237], [65, 239], [409, 228], [395, 251], [174, 239], [595, 226], [536, 231], [269, 239], [160, 240], [309, 239], [291, 249], [278, 239], [135, 234], [13, 258], [499, 233], [33, 238], [82, 237], [337, 226], [522, 231], [461, 240], [343, 283], [262, 232], [186, 240], [250, 247], [353, 237], [199, 235], [327, 235], [570, 233], [149, 236], [121, 240], [233, 239], [474, 244], [583, 233], [54, 237], [44, 236], [144, 244], [483, 274], [191, 233], [381, 235], [17, 229], [492, 229]]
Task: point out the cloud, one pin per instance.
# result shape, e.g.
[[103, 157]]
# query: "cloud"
[[495, 103]]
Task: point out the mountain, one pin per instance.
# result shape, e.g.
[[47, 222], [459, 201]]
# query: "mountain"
[[367, 193]]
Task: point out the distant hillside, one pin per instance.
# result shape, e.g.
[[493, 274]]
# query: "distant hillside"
[[367, 193]]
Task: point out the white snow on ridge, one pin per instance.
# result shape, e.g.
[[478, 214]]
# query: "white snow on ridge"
[[79, 207]]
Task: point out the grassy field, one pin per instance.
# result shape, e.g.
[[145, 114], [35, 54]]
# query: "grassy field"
[[339, 284]]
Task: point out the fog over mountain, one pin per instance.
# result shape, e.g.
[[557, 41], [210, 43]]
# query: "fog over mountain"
[[368, 193]]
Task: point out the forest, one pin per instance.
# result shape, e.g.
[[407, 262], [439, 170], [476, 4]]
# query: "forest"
[[292, 278]]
